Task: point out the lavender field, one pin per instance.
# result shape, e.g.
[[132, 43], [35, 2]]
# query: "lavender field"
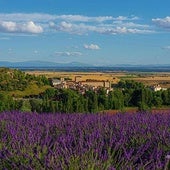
[[84, 141]]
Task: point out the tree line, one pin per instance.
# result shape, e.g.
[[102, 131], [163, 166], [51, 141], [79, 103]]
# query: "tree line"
[[124, 94]]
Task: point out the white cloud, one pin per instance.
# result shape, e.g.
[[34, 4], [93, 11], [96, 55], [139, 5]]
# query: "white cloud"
[[8, 26], [13, 27], [129, 24], [125, 18], [66, 25], [91, 47], [25, 17], [35, 51], [162, 22], [81, 18], [66, 53], [73, 28], [43, 17], [102, 29], [31, 27], [73, 24]]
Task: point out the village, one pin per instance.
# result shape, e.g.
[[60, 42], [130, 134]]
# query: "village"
[[81, 86], [90, 84]]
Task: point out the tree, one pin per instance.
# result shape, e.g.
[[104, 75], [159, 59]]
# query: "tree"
[[26, 106], [165, 97], [50, 93], [6, 102], [136, 97], [92, 101], [157, 101], [36, 105], [102, 99], [116, 99], [127, 93]]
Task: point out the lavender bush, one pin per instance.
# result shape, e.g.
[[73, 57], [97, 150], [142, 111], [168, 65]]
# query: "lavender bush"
[[87, 142]]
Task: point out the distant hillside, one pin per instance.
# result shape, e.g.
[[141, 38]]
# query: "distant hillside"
[[36, 64], [14, 81], [77, 66]]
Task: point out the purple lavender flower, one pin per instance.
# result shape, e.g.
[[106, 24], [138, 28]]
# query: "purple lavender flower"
[[84, 141]]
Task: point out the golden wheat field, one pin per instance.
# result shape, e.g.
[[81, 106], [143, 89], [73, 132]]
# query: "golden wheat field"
[[114, 77]]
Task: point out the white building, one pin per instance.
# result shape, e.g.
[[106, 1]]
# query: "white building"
[[158, 88], [55, 82]]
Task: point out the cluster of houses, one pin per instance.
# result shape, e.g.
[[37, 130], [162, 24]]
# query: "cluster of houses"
[[81, 86]]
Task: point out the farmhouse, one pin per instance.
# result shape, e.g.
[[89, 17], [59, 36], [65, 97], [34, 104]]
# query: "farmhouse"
[[55, 82], [157, 88]]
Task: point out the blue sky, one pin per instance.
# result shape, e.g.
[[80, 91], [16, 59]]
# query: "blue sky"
[[90, 31]]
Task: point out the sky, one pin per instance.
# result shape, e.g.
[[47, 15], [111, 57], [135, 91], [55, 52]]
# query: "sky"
[[99, 32]]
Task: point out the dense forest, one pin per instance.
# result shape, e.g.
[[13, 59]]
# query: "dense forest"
[[125, 94]]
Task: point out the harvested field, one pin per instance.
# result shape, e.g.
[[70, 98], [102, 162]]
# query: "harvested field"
[[164, 81], [113, 77], [148, 79]]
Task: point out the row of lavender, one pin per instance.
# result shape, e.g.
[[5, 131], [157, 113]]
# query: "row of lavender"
[[80, 141]]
